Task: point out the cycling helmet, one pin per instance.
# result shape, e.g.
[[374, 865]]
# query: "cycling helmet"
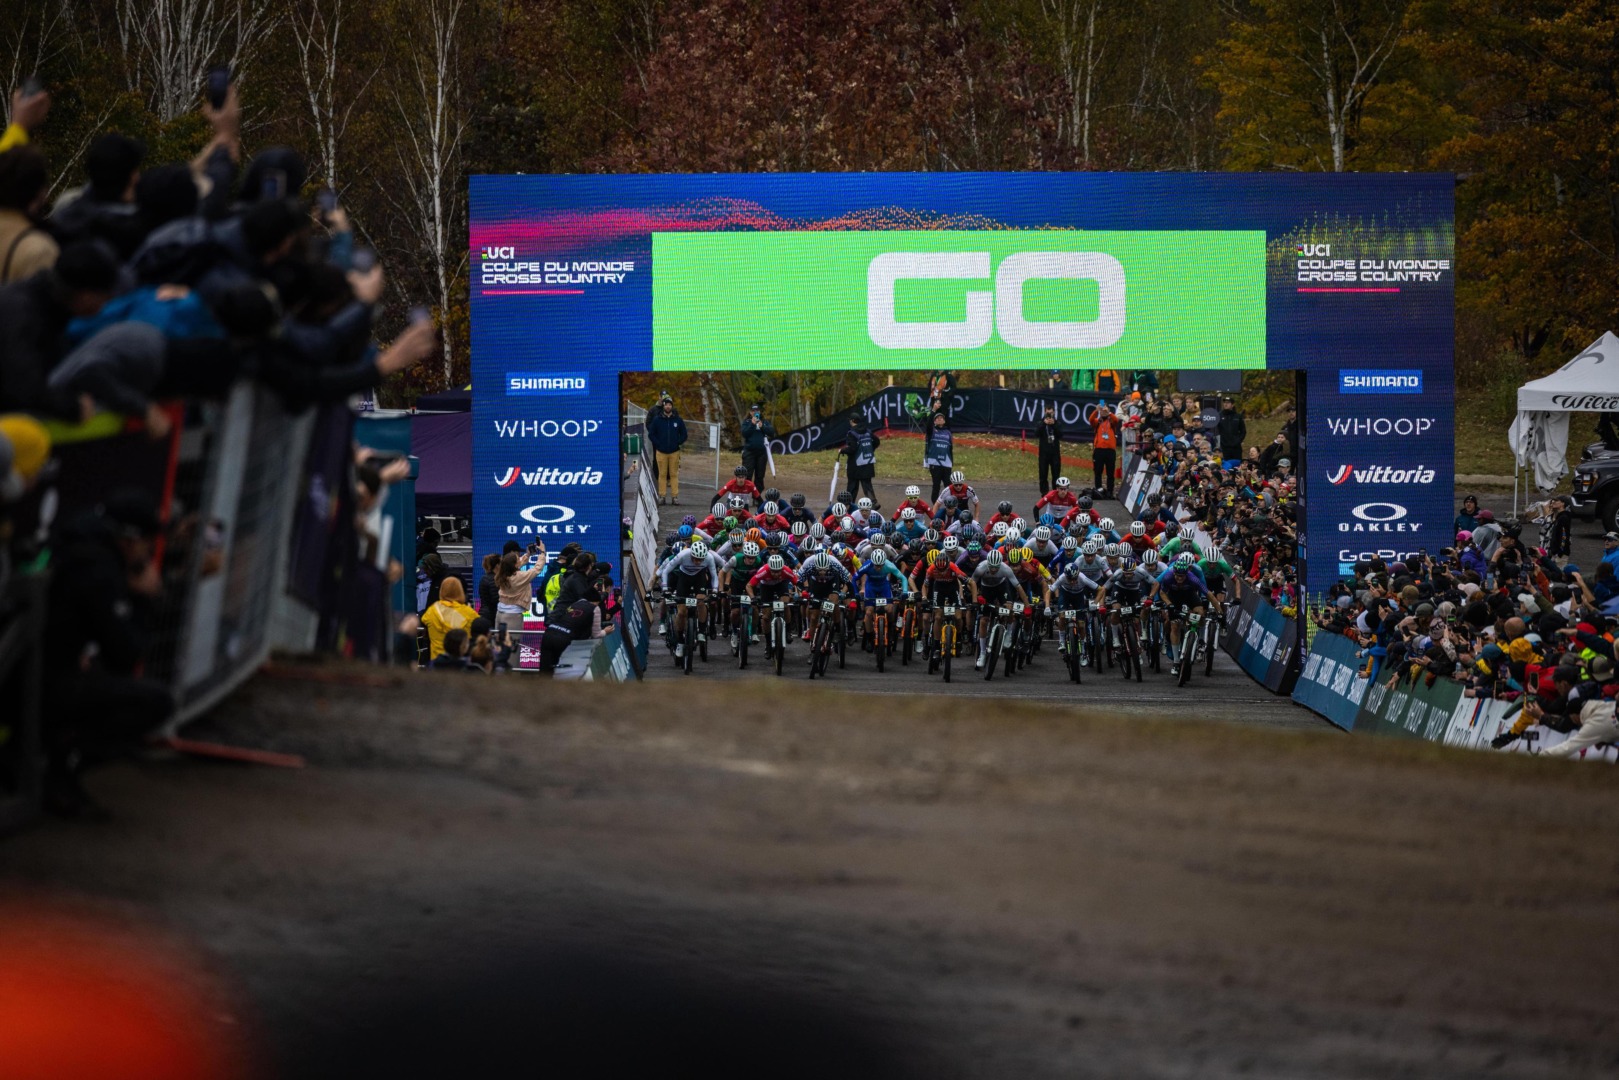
[[907, 514], [800, 529], [1015, 556], [1042, 533], [994, 558], [1216, 552], [771, 509], [1112, 551], [950, 543], [863, 504], [736, 536], [817, 531], [756, 535], [775, 539], [730, 522], [1048, 520], [874, 534], [879, 557], [737, 502], [822, 561], [913, 492], [974, 546], [933, 558], [772, 495], [1138, 528], [998, 530], [950, 502], [1090, 547], [777, 562], [847, 524], [684, 532], [751, 550], [1004, 507], [1149, 557], [1184, 560], [931, 536], [718, 508], [1084, 502], [1106, 524], [1062, 483], [797, 500], [958, 477], [1070, 543], [1019, 524], [1171, 527], [1071, 571], [688, 520], [964, 516], [1131, 573], [699, 550], [838, 509], [740, 472]]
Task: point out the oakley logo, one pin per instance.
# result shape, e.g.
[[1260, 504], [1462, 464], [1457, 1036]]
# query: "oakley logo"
[[1002, 310]]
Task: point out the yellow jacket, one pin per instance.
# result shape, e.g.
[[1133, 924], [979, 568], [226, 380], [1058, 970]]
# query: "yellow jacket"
[[440, 619]]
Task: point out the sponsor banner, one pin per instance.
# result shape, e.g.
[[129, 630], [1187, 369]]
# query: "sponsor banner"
[[610, 660], [1000, 412], [644, 545], [991, 299], [635, 622], [1380, 381], [1329, 680], [1263, 642], [1409, 710]]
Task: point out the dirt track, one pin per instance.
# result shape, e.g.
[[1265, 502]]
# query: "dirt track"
[[1030, 893]]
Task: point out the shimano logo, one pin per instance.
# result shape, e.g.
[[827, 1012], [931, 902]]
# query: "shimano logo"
[[1381, 474], [1402, 381], [1000, 311], [519, 384], [1379, 425], [1379, 517], [543, 477]]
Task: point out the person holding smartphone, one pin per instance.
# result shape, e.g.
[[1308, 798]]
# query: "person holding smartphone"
[[514, 581]]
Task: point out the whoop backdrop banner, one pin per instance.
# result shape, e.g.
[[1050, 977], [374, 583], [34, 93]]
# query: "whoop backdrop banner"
[[1347, 277]]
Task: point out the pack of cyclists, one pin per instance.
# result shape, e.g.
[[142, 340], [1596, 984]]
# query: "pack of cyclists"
[[938, 581]]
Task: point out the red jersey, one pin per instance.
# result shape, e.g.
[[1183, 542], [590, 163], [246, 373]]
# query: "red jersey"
[[767, 576], [1058, 499], [997, 517], [1139, 544], [772, 522], [711, 525], [745, 488], [921, 506], [1091, 516]]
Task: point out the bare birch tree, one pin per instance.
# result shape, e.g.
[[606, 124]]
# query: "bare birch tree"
[[169, 45], [430, 101], [1079, 56], [317, 36]]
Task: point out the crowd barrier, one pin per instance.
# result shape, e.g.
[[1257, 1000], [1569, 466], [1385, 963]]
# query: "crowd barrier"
[[1331, 685], [1263, 642]]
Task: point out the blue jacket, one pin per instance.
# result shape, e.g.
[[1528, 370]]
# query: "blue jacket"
[[753, 437], [940, 450], [666, 433]]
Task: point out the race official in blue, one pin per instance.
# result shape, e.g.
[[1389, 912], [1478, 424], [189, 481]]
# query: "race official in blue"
[[666, 431]]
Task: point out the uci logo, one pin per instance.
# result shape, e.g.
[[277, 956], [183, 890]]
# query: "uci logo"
[[1001, 310]]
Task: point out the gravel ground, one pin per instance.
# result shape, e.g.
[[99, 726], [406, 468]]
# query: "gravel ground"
[[1021, 891]]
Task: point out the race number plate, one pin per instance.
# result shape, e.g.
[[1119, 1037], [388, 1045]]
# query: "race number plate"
[[1070, 614], [778, 605], [949, 612], [691, 601], [828, 605], [880, 602], [1005, 611], [1017, 609], [1127, 610]]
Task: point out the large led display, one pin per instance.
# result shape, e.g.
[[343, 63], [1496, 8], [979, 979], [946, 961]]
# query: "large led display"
[[576, 279]]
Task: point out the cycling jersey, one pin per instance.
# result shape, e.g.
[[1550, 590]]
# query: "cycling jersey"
[[772, 523], [1171, 548], [1068, 593], [795, 514], [1139, 544], [865, 548], [822, 583], [1168, 575], [970, 561], [1190, 592], [1089, 517], [922, 507], [995, 580], [908, 531], [773, 579], [1057, 501], [742, 570], [1215, 573], [786, 554], [1045, 552], [745, 488], [712, 526], [878, 582], [966, 499], [1032, 575], [687, 573], [1108, 537], [1122, 586]]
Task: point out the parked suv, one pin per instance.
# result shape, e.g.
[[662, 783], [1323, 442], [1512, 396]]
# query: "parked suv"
[[1596, 486]]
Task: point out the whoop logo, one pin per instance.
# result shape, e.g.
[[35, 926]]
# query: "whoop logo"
[[1001, 310]]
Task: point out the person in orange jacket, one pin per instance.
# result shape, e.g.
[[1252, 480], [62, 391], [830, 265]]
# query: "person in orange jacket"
[[1104, 450]]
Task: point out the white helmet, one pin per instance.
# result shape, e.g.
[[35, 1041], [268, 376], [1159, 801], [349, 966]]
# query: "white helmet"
[[1113, 551], [718, 509], [817, 531], [1090, 547], [771, 509], [1019, 524], [750, 549], [1062, 482], [1149, 557], [863, 504], [998, 529], [838, 510], [1216, 553], [1070, 543], [777, 562], [737, 502], [1138, 528], [950, 543], [879, 557], [800, 529], [994, 558], [908, 514], [846, 524], [913, 492], [958, 477], [699, 550], [1042, 534], [823, 561], [1106, 524]]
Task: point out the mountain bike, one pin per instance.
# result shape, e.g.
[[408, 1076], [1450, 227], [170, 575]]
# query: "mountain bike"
[[1192, 644], [1073, 643], [777, 647], [744, 624], [828, 626], [1152, 637], [1127, 646]]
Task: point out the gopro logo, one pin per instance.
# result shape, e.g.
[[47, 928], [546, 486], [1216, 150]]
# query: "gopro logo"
[[1401, 381]]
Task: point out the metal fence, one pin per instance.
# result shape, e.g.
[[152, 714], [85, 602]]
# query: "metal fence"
[[701, 436]]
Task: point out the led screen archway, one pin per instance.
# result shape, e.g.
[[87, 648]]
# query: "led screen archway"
[[1345, 277]]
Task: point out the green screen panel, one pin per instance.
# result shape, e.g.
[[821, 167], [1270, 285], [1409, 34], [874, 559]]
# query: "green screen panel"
[[982, 299]]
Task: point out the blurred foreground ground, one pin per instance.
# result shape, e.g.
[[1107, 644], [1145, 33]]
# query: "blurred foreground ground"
[[1016, 891]]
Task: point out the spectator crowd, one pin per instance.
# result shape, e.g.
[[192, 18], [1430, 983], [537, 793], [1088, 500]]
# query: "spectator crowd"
[[128, 302]]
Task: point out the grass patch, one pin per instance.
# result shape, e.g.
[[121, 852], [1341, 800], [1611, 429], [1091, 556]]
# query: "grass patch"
[[901, 459], [1486, 404]]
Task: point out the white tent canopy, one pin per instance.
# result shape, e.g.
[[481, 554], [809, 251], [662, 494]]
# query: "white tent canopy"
[[1587, 383]]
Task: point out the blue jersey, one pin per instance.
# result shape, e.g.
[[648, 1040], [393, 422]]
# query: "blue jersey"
[[875, 582], [1169, 587]]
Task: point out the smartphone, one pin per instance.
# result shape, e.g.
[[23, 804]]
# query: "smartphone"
[[326, 199], [275, 184], [363, 261], [32, 86], [218, 86], [419, 314]]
